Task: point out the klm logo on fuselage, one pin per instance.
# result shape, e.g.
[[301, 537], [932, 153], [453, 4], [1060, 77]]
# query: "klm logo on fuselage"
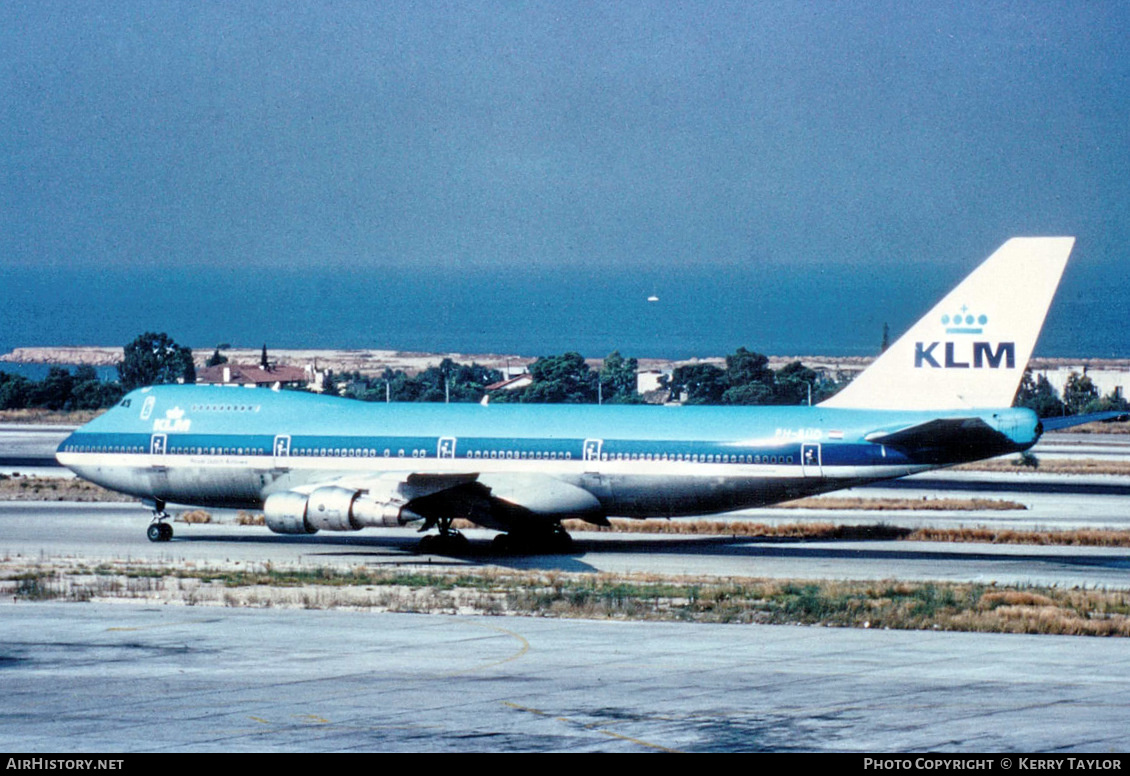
[[983, 356], [174, 420]]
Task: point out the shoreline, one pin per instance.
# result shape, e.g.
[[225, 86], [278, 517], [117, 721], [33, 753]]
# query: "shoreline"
[[373, 361]]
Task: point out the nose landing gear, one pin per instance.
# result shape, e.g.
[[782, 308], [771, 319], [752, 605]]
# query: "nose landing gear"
[[159, 530]]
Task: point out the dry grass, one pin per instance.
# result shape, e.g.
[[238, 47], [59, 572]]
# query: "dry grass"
[[1097, 428], [249, 518], [862, 604], [899, 504], [744, 528], [1049, 466], [1082, 537], [19, 488], [1087, 537], [54, 417]]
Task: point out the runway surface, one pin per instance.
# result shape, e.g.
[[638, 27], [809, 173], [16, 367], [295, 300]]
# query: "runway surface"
[[120, 678], [114, 531]]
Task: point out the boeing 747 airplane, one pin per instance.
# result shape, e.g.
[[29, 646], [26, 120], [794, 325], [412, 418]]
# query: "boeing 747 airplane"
[[940, 395]]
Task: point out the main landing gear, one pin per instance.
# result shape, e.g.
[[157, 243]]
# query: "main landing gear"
[[159, 530], [448, 542], [554, 539], [527, 540]]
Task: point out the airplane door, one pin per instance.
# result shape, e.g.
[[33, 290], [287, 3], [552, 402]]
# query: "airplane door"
[[282, 449], [592, 453], [810, 463], [158, 472], [446, 447]]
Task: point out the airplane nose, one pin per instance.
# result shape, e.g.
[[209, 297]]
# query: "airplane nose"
[[63, 447]]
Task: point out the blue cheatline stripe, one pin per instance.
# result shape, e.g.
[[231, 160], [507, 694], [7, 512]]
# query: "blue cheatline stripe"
[[832, 453]]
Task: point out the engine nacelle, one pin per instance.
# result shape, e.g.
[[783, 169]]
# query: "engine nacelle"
[[285, 513], [388, 513], [330, 509], [334, 508]]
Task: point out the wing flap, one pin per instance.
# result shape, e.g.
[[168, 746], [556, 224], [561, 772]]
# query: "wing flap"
[[542, 495]]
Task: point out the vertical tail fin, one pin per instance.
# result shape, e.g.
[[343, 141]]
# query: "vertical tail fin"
[[971, 349]]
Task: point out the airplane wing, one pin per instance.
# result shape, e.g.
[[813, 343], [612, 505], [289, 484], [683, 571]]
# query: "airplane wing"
[[542, 495], [500, 500]]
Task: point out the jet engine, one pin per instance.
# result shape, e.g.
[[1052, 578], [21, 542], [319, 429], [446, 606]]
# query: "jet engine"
[[333, 508]]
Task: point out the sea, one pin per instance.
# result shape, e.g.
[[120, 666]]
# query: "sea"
[[778, 309]]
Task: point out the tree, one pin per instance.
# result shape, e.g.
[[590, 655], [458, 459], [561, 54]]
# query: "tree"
[[155, 359], [15, 391], [1112, 401], [886, 338], [263, 358], [53, 391], [1078, 392], [216, 358], [1039, 396], [93, 394], [793, 383], [465, 382], [618, 380], [462, 382], [750, 379], [564, 379], [698, 384]]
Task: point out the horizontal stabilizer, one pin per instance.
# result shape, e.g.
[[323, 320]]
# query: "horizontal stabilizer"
[[1067, 421], [950, 436]]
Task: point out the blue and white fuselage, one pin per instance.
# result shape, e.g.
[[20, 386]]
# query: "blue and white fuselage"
[[939, 396], [214, 446]]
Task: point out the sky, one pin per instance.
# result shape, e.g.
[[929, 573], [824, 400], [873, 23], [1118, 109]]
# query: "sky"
[[626, 137]]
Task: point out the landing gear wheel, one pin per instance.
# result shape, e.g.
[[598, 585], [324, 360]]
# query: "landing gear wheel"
[[561, 541], [159, 532], [501, 543], [555, 540], [449, 541]]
